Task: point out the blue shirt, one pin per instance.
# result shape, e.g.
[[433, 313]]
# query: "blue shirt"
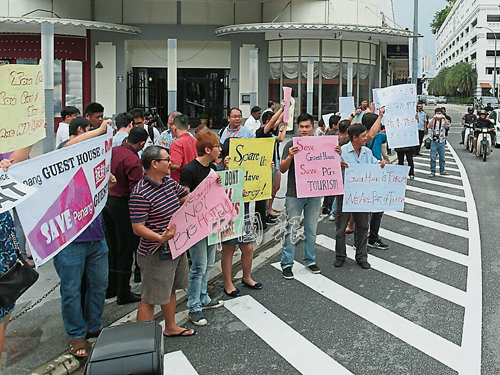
[[377, 142], [422, 118], [118, 138], [350, 156], [240, 132]]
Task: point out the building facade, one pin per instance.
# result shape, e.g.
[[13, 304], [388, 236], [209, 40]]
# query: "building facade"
[[468, 34], [124, 59]]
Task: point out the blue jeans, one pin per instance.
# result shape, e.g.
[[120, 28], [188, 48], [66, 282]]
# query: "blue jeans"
[[294, 208], [334, 204], [202, 261], [79, 258], [437, 148]]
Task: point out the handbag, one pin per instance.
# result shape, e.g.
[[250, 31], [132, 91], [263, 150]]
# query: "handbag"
[[18, 279], [427, 143]]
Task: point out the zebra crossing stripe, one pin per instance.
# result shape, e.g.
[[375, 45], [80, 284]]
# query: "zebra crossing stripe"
[[435, 207], [439, 183], [428, 223], [452, 177], [176, 363], [410, 277], [427, 160], [435, 193], [420, 338], [288, 343], [427, 165]]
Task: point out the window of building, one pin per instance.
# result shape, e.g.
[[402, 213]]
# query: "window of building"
[[473, 56], [492, 36], [473, 40], [493, 18], [467, 30], [491, 70], [474, 23], [492, 53], [466, 45]]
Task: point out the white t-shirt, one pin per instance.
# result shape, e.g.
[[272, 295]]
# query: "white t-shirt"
[[62, 133], [252, 124], [156, 135]]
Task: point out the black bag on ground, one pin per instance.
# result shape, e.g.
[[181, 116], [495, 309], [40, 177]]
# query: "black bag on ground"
[[427, 143], [17, 280], [132, 348]]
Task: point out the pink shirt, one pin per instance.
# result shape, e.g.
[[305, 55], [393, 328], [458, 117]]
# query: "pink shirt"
[[182, 151]]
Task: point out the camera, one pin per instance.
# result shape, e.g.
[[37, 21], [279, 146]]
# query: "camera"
[[154, 119]]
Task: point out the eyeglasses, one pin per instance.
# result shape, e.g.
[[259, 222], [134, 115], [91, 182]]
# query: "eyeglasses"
[[216, 146], [166, 159], [236, 116]]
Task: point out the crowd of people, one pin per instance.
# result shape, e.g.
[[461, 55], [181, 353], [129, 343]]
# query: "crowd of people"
[[153, 173]]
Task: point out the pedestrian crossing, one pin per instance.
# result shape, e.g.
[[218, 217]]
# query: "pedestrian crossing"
[[279, 332]]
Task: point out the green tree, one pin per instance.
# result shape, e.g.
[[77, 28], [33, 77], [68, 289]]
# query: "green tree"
[[459, 80], [440, 16]]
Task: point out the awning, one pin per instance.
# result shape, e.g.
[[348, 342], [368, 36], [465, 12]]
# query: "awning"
[[485, 86]]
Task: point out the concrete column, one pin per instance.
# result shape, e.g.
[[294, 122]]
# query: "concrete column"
[[350, 67], [48, 78], [254, 79], [310, 84], [172, 75]]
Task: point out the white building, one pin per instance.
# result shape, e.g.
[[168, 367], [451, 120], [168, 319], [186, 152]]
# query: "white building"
[[426, 63], [464, 36]]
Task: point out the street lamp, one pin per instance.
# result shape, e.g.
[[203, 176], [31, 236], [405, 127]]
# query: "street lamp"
[[495, 72]]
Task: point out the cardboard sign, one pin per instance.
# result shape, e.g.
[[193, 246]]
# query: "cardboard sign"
[[22, 106], [287, 95], [370, 188], [317, 166], [206, 210], [346, 106], [71, 190], [255, 157], [12, 192], [232, 182], [326, 119], [400, 104]]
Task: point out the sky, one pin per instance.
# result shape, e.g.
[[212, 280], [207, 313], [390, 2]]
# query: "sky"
[[403, 10]]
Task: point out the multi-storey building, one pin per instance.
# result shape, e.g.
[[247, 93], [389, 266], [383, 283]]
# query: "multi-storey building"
[[468, 34], [116, 51]]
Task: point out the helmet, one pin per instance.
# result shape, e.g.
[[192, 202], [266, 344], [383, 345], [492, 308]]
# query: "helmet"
[[470, 109], [482, 112]]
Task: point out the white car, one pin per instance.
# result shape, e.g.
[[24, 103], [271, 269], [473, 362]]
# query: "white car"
[[431, 100], [441, 99], [494, 116]]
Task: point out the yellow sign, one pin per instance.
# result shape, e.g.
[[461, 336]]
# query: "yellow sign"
[[255, 157], [22, 106]]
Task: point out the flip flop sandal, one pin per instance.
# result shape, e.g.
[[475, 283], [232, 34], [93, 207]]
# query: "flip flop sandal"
[[78, 344], [181, 333], [94, 334]]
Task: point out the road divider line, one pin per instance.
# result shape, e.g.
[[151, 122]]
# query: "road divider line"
[[422, 339], [288, 343], [435, 193], [435, 207], [428, 223], [410, 277]]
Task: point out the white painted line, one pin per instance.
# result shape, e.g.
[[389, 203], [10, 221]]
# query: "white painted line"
[[437, 174], [422, 339], [425, 247], [176, 363], [431, 181], [425, 283], [435, 193], [425, 159], [288, 343], [428, 165], [435, 207], [428, 223]]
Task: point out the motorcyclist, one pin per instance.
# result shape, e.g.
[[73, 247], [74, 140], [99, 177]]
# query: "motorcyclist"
[[488, 107], [468, 119], [483, 122]]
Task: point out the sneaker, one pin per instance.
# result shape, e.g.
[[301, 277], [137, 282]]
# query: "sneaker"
[[271, 220], [313, 268], [412, 177], [461, 143], [331, 217], [444, 174], [325, 211], [213, 305], [198, 318], [378, 244], [432, 175], [287, 273]]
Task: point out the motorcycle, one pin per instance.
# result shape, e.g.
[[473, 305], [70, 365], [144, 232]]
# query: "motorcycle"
[[483, 143], [469, 137]]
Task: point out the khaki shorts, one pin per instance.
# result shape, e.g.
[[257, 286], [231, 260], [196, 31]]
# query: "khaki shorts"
[[160, 278]]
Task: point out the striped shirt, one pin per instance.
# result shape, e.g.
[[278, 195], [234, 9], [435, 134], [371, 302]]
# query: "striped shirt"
[[154, 204]]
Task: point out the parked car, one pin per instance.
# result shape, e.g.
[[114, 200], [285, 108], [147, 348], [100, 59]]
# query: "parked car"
[[441, 100], [494, 116], [489, 99], [421, 99], [431, 100]]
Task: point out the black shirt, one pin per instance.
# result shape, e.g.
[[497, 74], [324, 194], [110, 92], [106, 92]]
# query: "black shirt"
[[291, 187], [194, 173], [259, 133]]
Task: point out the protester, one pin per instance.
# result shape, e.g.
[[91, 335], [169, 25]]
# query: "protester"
[[67, 114], [152, 204], [234, 128], [253, 121], [124, 123], [437, 126], [94, 113], [122, 242], [422, 119], [321, 128], [360, 112], [183, 148], [166, 137], [448, 118], [80, 130], [86, 256], [140, 121], [270, 107], [355, 152], [333, 125], [202, 254]]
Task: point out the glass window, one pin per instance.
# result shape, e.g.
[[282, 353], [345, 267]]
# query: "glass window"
[[275, 48], [331, 48], [310, 48], [364, 50], [74, 84], [349, 49], [290, 48]]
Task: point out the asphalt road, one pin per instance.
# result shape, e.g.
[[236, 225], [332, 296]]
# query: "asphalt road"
[[428, 306]]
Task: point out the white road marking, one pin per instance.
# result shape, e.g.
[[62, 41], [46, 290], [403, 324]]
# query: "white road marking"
[[288, 343], [428, 223], [176, 363], [449, 176], [435, 207], [436, 182], [426, 159], [410, 277], [435, 193], [422, 339], [428, 165]]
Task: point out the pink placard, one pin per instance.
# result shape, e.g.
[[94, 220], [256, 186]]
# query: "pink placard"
[[65, 218], [206, 210], [287, 95], [317, 166]]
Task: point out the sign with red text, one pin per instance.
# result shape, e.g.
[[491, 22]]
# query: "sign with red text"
[[22, 106], [71, 191], [370, 188], [317, 166], [206, 210], [12, 192], [400, 104]]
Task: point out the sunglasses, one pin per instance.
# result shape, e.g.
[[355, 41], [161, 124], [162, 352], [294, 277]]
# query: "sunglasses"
[[166, 159]]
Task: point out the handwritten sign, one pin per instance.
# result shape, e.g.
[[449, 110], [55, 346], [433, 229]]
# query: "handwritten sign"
[[289, 124], [400, 105], [326, 119], [346, 106], [232, 182], [12, 192], [72, 189], [22, 106], [206, 210], [376, 100], [370, 188], [255, 157], [317, 166]]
